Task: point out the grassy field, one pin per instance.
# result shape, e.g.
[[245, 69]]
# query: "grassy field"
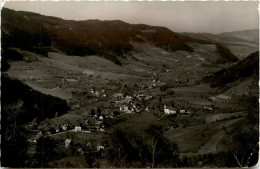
[[192, 139], [221, 116], [136, 122], [79, 137], [70, 162], [220, 145]]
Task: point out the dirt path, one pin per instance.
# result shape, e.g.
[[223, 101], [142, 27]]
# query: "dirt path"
[[211, 146]]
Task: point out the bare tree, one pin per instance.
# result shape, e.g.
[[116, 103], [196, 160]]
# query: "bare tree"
[[241, 147], [155, 151]]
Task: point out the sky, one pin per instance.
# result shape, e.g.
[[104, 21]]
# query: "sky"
[[210, 17]]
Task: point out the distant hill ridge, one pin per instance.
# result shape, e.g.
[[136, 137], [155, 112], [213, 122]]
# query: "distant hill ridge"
[[109, 39], [243, 69], [235, 36]]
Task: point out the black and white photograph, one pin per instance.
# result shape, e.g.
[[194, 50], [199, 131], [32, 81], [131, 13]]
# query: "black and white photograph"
[[129, 84]]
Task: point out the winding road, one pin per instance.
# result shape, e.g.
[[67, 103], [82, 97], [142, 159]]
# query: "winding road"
[[211, 145]]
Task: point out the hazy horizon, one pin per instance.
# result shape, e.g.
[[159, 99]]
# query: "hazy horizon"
[[197, 17]]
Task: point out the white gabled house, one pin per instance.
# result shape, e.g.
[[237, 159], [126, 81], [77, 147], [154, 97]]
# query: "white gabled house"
[[64, 127], [67, 142], [182, 111], [168, 111], [118, 95], [77, 128], [100, 148], [100, 118]]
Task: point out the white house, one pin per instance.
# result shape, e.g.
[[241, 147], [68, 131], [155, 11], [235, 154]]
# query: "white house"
[[118, 95], [101, 118], [125, 109], [100, 148], [67, 142], [80, 151], [182, 111], [65, 127], [168, 111], [209, 108], [97, 93], [77, 128]]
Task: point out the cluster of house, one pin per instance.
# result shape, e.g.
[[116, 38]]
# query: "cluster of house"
[[95, 123], [127, 105], [35, 138], [97, 93], [132, 108], [168, 111], [63, 127], [68, 143]]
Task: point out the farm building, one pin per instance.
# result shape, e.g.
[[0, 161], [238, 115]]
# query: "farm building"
[[125, 108], [182, 111], [77, 128], [168, 111], [67, 142], [100, 148], [118, 95], [64, 127], [101, 118], [94, 124]]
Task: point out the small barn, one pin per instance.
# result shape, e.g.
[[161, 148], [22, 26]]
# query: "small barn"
[[67, 142], [77, 128], [118, 95]]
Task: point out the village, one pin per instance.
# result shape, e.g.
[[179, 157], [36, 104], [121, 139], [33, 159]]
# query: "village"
[[96, 121], [130, 101]]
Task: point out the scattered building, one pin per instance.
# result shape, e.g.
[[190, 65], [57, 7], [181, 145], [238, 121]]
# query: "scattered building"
[[118, 95], [182, 111], [77, 128], [97, 93], [101, 118], [67, 143], [208, 108], [168, 111], [35, 138], [80, 151], [64, 127], [125, 109], [100, 148], [48, 133]]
